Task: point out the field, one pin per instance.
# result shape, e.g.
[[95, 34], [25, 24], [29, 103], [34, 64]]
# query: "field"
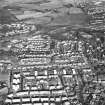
[[54, 12]]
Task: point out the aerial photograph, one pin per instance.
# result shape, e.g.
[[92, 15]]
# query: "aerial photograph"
[[52, 52]]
